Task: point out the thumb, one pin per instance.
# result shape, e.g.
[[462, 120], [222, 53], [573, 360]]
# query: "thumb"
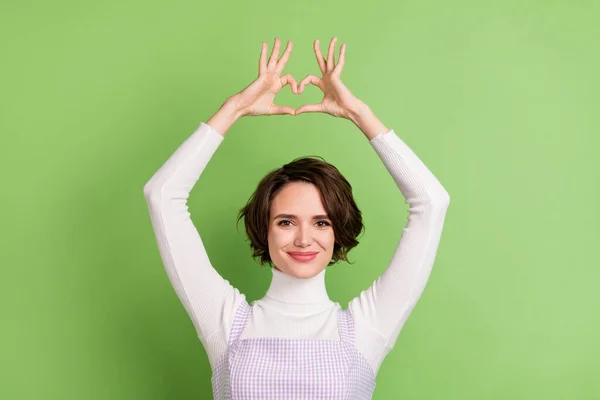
[[310, 108], [278, 110]]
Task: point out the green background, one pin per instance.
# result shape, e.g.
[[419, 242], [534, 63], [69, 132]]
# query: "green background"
[[499, 99]]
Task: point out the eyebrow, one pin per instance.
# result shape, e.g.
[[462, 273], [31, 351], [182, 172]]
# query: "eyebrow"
[[321, 216]]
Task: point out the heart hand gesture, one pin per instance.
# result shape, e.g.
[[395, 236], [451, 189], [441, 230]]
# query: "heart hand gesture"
[[257, 98]]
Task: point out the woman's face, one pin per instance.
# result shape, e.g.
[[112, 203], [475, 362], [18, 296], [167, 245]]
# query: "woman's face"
[[307, 230]]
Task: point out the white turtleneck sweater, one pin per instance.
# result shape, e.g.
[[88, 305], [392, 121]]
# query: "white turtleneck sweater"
[[294, 307]]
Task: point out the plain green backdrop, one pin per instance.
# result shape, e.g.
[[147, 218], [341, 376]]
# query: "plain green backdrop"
[[499, 99]]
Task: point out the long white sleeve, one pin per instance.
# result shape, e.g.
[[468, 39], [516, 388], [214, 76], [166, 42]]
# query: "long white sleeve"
[[210, 300], [381, 311]]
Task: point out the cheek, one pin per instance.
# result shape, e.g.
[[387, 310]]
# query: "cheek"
[[331, 239], [281, 237], [326, 239]]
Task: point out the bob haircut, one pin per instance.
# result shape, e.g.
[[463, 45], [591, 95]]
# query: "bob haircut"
[[336, 196]]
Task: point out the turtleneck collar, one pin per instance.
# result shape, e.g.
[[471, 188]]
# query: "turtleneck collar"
[[289, 289]]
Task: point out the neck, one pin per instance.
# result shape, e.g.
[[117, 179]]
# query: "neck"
[[289, 289]]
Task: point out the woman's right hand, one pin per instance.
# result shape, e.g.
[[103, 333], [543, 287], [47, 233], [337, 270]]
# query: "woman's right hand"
[[257, 98]]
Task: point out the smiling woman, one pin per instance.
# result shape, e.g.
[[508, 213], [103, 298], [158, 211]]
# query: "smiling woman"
[[295, 342]]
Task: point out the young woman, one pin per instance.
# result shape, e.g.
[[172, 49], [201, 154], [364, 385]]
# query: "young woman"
[[295, 343]]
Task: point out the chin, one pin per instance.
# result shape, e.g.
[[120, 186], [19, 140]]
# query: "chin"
[[305, 273]]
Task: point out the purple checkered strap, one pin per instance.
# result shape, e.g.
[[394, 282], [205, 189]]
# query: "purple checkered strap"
[[292, 368]]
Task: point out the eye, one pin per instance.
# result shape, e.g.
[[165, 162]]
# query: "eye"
[[281, 223]]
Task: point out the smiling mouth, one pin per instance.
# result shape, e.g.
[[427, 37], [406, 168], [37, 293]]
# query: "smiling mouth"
[[303, 257]]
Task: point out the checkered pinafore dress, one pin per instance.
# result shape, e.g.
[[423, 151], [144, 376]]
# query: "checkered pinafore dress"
[[286, 368]]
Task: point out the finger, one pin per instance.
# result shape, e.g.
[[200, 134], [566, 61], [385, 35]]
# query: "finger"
[[288, 78], [262, 63], [341, 59], [330, 60], [274, 55], [320, 59], [284, 58], [309, 108], [278, 110], [309, 79]]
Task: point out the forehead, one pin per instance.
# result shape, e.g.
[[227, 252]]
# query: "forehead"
[[299, 198]]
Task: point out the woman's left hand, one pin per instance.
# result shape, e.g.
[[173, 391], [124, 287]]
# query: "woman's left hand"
[[338, 100]]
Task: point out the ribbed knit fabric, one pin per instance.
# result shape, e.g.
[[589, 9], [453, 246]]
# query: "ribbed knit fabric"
[[293, 307]]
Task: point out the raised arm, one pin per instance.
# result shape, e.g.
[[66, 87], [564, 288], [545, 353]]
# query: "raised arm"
[[382, 310], [207, 297]]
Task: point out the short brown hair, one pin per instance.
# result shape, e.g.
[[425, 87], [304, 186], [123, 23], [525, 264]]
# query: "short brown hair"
[[336, 195]]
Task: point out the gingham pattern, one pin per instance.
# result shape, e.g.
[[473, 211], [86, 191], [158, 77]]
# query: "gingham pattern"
[[292, 369]]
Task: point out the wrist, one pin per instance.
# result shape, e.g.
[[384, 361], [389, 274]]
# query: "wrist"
[[232, 106], [367, 122], [225, 117], [359, 113]]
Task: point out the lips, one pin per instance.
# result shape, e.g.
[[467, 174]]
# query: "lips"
[[303, 256]]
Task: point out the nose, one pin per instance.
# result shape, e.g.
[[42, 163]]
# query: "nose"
[[303, 237]]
